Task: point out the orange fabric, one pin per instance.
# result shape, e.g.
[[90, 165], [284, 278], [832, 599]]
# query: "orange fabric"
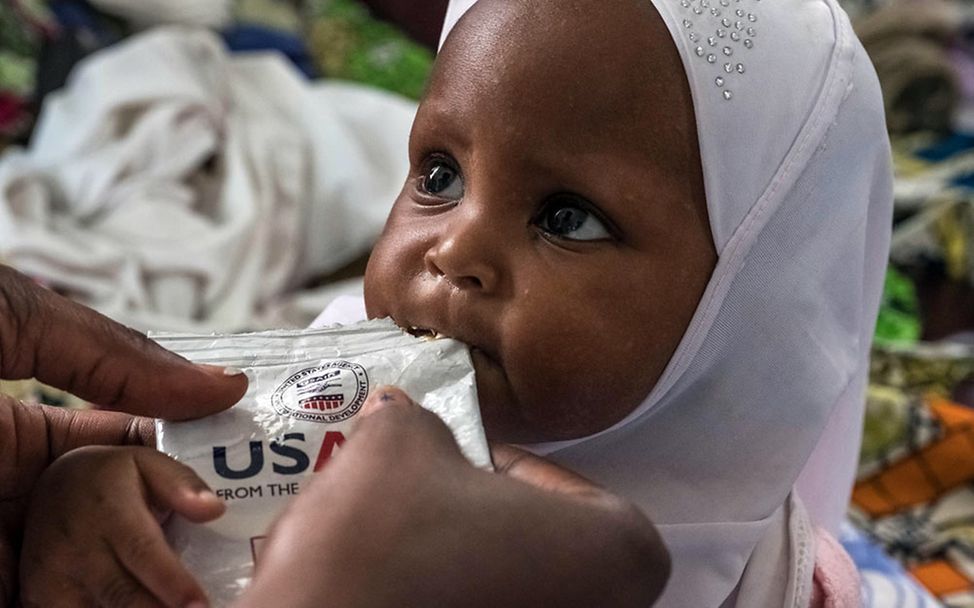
[[941, 578], [953, 416], [929, 473], [871, 499], [901, 485], [952, 460]]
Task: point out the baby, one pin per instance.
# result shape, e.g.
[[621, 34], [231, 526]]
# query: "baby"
[[661, 228], [554, 218]]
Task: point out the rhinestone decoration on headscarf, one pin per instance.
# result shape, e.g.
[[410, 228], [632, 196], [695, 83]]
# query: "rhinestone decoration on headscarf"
[[733, 28]]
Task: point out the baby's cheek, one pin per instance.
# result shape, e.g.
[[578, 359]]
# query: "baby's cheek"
[[577, 386], [385, 277]]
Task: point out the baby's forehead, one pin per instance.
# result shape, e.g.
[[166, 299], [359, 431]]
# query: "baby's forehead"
[[595, 72], [614, 47]]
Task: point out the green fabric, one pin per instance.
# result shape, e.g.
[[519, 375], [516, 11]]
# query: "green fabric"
[[347, 42], [15, 36], [19, 44], [886, 422], [17, 73], [899, 311]]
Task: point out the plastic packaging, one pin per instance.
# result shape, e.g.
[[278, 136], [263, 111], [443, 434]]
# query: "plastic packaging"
[[305, 390]]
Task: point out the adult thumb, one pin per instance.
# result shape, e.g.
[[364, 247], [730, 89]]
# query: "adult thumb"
[[543, 474], [74, 348]]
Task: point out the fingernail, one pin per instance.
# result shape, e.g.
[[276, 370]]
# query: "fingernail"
[[214, 505], [218, 370], [381, 397], [207, 495], [387, 394]]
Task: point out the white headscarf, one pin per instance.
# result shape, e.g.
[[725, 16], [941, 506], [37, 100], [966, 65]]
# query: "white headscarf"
[[768, 382]]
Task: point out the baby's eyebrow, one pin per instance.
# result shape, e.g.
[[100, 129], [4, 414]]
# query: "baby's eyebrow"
[[441, 120]]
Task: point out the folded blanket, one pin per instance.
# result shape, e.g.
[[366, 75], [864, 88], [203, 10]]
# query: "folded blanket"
[[173, 186]]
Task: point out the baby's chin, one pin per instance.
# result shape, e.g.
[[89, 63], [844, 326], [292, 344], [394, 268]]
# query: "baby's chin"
[[504, 417], [498, 408], [510, 419]]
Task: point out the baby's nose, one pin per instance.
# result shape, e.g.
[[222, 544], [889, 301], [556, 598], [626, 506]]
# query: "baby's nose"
[[467, 252]]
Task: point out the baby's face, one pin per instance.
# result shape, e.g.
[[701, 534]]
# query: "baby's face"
[[554, 217]]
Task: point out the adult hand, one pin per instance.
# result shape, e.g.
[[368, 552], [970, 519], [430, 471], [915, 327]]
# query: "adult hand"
[[75, 349], [399, 518]]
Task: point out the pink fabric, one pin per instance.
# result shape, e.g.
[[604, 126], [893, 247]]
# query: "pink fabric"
[[835, 583]]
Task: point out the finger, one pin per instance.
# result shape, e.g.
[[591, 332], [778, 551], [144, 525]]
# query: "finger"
[[48, 552], [112, 586], [540, 473], [144, 553], [97, 580], [66, 430], [46, 433], [386, 396], [54, 590], [173, 486], [69, 346], [398, 425]]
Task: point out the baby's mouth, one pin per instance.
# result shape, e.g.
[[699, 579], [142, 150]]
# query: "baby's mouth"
[[429, 333], [424, 333]]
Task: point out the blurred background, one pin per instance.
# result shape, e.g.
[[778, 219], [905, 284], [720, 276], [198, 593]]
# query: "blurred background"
[[226, 165]]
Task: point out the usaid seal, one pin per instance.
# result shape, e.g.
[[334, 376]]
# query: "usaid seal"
[[329, 393]]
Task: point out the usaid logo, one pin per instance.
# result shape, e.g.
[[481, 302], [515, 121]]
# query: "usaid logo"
[[330, 393]]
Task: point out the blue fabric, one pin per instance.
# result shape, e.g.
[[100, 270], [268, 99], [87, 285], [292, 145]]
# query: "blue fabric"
[[83, 30], [74, 14], [248, 38], [965, 180], [948, 147], [885, 584]]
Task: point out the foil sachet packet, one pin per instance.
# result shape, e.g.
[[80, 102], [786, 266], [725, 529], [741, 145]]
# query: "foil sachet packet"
[[306, 388]]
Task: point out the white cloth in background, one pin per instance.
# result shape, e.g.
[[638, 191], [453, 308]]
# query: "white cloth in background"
[[142, 13], [172, 186], [767, 387], [345, 309], [304, 308]]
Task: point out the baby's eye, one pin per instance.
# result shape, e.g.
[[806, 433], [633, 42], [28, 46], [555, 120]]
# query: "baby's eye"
[[566, 217], [441, 179]]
